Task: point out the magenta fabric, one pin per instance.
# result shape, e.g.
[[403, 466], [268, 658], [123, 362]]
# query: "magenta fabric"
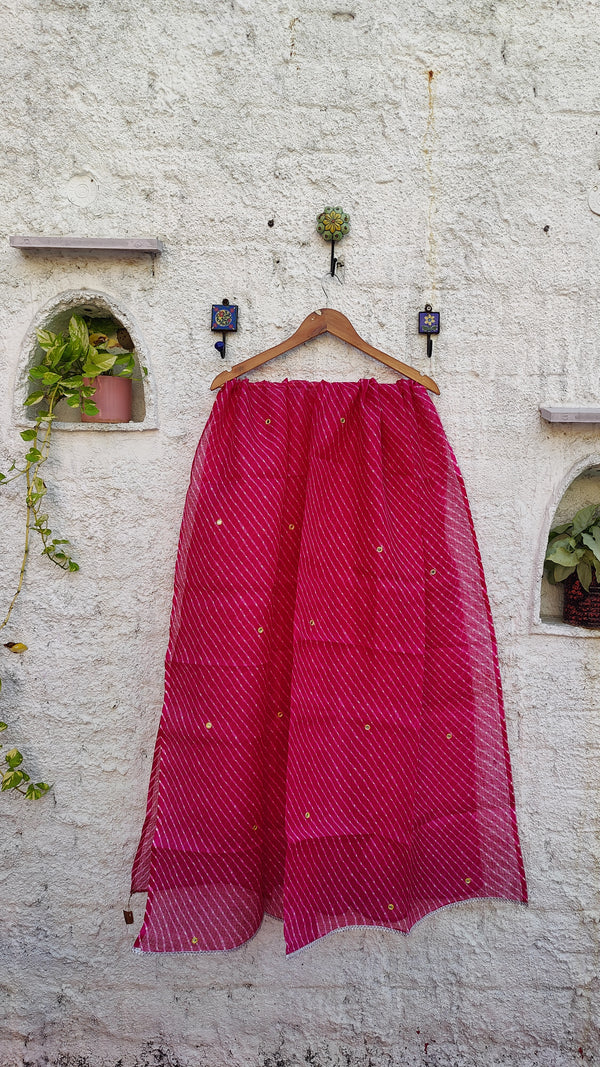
[[332, 748]]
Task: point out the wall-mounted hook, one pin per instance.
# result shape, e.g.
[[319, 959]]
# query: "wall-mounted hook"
[[333, 224], [429, 323], [224, 319]]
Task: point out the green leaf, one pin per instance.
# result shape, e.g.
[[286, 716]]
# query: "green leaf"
[[34, 792], [128, 365], [560, 539], [559, 529], [2, 477], [73, 401], [11, 780], [29, 435], [584, 518], [565, 553], [3, 726], [13, 758], [78, 332], [45, 338], [560, 573], [51, 378], [38, 371], [33, 398], [33, 455], [98, 363], [592, 540], [73, 383], [584, 573], [56, 354], [89, 408]]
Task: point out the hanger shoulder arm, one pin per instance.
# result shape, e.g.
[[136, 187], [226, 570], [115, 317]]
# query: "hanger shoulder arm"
[[340, 326], [247, 365], [312, 326], [402, 368]]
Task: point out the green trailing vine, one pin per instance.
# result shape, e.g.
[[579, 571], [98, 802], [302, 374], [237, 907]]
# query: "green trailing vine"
[[15, 776], [67, 369]]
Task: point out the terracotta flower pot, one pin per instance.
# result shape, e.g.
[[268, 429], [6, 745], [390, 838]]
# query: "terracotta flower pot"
[[581, 608], [112, 398]]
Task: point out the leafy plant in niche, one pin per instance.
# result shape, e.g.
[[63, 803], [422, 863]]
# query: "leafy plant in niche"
[[574, 547], [69, 364]]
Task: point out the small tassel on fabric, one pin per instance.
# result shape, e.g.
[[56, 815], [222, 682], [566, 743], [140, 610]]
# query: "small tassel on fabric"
[[127, 913]]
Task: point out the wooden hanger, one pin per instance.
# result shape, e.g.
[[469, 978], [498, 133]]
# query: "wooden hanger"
[[324, 321]]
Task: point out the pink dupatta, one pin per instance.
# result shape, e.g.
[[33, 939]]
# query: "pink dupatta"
[[332, 748]]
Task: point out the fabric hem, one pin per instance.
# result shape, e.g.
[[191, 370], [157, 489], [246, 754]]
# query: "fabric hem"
[[336, 930], [202, 951], [392, 929]]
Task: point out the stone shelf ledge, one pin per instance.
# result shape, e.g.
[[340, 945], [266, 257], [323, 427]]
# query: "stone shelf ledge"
[[88, 244], [574, 413], [95, 427], [550, 624]]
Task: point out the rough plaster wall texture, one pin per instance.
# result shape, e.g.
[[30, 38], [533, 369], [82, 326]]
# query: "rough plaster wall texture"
[[198, 122]]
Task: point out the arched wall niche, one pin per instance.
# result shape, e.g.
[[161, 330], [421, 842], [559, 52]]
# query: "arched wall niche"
[[55, 316], [578, 488]]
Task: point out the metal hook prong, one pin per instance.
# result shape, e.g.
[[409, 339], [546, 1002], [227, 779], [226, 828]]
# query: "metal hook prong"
[[333, 264]]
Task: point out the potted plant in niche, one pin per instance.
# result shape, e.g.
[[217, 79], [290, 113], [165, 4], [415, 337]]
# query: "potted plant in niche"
[[573, 558]]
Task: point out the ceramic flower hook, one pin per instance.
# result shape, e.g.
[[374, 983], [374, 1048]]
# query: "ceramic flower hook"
[[429, 324], [224, 318], [333, 223]]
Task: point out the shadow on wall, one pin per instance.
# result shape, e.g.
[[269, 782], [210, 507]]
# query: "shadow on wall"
[[151, 1055]]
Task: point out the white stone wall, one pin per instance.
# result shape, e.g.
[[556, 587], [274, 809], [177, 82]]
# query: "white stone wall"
[[197, 121]]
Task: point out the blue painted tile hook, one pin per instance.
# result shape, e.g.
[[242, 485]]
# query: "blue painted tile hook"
[[224, 319], [429, 324]]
